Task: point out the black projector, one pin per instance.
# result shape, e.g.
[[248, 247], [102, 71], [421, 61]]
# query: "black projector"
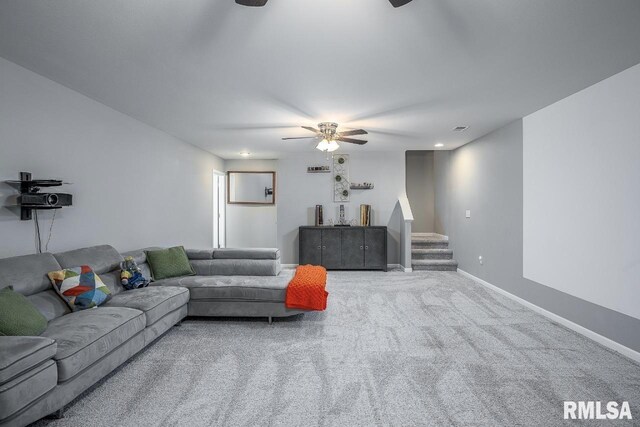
[[45, 199]]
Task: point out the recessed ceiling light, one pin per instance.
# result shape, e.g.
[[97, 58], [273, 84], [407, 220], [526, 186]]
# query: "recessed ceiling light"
[[245, 153], [460, 128], [439, 144]]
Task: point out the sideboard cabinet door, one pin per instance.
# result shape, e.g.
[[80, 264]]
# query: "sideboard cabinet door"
[[331, 248], [310, 246], [375, 244], [353, 248]]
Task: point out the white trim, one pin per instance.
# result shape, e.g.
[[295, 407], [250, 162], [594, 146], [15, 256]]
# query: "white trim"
[[400, 267], [393, 266], [615, 346]]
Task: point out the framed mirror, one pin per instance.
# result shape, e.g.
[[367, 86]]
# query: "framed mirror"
[[251, 188]]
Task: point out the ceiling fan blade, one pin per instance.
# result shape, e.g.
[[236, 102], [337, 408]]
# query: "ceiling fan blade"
[[353, 132], [396, 3], [352, 141], [393, 133], [252, 127], [257, 3], [300, 137], [310, 128]]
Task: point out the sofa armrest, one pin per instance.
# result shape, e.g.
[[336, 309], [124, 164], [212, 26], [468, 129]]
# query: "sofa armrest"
[[235, 262], [249, 253], [20, 354], [236, 267], [27, 372], [193, 254], [233, 253]]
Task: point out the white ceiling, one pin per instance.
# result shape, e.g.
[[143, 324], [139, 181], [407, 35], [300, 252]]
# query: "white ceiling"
[[230, 78]]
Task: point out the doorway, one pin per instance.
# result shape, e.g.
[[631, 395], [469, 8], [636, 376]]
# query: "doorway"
[[427, 190], [219, 203]]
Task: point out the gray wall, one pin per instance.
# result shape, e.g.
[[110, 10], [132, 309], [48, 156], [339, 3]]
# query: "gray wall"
[[133, 185], [420, 177], [594, 203], [299, 192], [252, 226], [486, 176], [442, 189]]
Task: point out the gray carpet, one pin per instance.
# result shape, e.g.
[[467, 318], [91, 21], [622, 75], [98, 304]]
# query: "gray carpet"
[[426, 348]]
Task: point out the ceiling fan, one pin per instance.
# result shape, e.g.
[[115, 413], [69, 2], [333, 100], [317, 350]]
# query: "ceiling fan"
[[260, 3], [328, 132]]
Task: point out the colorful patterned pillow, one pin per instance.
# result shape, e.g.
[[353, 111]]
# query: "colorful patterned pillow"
[[80, 287]]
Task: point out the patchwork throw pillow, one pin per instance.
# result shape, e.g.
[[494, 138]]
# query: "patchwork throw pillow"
[[166, 263], [18, 316], [80, 287]]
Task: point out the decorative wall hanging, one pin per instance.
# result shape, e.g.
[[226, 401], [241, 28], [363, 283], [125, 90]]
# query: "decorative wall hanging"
[[341, 191], [363, 186], [318, 169]]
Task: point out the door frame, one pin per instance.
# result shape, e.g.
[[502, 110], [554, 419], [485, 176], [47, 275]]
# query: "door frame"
[[218, 218]]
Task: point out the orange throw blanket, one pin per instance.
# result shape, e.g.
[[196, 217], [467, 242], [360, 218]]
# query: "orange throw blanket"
[[307, 288]]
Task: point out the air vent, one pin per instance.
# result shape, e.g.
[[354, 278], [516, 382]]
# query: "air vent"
[[460, 128]]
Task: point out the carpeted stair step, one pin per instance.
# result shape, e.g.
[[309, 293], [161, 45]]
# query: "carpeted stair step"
[[435, 264], [417, 243], [437, 253]]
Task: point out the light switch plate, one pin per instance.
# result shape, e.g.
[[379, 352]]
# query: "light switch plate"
[[468, 213]]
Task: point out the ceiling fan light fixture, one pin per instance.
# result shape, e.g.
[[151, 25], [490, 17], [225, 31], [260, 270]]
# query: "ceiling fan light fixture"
[[333, 146], [323, 145]]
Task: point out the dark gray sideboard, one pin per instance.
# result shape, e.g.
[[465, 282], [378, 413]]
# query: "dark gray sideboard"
[[344, 248]]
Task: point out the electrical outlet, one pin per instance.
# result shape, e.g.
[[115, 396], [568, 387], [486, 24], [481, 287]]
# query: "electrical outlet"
[[467, 214], [480, 260]]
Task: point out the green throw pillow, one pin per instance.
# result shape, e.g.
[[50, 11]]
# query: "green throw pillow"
[[18, 317], [166, 263]]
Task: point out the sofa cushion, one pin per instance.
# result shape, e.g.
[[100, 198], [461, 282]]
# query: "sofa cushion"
[[83, 337], [233, 288], [18, 316], [101, 259], [80, 287], [112, 281], [19, 354], [155, 302], [27, 274], [49, 304], [171, 262], [253, 253]]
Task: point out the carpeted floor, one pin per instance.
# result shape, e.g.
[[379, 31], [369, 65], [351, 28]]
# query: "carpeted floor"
[[427, 348]]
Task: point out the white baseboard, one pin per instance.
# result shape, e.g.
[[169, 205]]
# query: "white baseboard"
[[615, 346], [399, 267]]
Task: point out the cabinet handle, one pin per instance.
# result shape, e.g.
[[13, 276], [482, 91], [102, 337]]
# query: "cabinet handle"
[[366, 247], [360, 247], [318, 247], [324, 247]]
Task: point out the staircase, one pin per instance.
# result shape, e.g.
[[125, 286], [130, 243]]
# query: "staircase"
[[430, 251]]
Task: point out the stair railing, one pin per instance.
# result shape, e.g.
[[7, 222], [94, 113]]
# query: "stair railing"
[[405, 232]]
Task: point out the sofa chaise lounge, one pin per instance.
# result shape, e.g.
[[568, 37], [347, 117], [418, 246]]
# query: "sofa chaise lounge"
[[40, 375]]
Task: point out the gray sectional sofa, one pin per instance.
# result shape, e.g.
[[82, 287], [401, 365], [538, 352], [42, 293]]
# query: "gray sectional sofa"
[[40, 375]]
